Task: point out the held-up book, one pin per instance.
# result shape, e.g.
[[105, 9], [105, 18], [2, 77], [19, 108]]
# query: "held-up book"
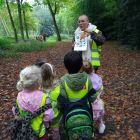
[[80, 43]]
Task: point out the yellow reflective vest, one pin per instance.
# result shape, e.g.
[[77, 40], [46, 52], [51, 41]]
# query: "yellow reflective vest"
[[76, 95], [95, 52], [54, 93]]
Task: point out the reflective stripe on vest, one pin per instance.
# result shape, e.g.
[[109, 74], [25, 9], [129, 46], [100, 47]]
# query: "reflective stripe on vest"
[[96, 30], [95, 56], [100, 48], [37, 122], [54, 95], [76, 95], [99, 90]]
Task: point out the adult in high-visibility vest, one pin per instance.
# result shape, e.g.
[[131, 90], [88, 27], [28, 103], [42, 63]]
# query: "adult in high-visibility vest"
[[94, 41]]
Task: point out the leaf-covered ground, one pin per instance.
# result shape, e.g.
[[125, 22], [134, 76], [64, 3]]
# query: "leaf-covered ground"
[[121, 75]]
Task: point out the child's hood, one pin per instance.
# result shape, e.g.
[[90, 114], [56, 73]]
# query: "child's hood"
[[76, 81], [30, 101]]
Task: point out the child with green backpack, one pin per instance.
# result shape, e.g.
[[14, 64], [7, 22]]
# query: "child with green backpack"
[[74, 100]]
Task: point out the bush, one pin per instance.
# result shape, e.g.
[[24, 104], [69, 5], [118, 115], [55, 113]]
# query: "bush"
[[4, 44]]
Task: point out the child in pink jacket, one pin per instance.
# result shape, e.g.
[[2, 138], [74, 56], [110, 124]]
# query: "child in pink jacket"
[[30, 97], [98, 104]]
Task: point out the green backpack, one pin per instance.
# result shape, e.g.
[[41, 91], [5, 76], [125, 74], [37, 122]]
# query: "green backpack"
[[77, 118]]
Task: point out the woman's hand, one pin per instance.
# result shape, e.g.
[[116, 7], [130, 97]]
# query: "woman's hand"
[[84, 34]]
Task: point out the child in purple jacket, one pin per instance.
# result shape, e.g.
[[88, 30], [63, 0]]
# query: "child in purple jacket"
[[98, 104]]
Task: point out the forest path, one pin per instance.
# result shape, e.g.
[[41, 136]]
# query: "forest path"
[[121, 76]]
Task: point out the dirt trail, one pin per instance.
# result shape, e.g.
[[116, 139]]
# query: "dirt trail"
[[121, 75]]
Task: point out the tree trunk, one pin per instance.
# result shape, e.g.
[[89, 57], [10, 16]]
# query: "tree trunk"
[[7, 28], [25, 25], [12, 21], [54, 21], [20, 19], [4, 27]]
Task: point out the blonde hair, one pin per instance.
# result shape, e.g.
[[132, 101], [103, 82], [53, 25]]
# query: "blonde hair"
[[29, 77], [87, 67], [47, 72]]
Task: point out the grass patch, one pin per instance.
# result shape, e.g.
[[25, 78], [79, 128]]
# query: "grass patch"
[[8, 49], [29, 46], [51, 39], [64, 37], [9, 53]]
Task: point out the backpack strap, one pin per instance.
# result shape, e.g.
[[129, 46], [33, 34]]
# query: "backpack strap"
[[30, 116], [16, 108]]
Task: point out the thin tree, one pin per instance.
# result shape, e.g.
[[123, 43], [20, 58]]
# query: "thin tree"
[[25, 8], [4, 26], [25, 24], [12, 21], [53, 13], [20, 19]]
